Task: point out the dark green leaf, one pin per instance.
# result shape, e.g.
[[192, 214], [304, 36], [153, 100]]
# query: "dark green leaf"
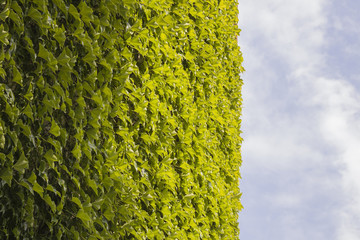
[[6, 175]]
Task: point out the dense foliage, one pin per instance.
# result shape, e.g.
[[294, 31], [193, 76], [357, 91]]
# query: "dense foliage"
[[120, 119]]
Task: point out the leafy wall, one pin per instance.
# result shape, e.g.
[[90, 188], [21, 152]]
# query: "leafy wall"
[[119, 119]]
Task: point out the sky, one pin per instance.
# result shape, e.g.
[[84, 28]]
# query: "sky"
[[300, 119]]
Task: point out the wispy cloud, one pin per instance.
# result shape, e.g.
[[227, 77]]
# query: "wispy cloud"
[[301, 125], [340, 119]]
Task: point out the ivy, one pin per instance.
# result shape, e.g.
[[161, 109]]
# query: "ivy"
[[119, 119]]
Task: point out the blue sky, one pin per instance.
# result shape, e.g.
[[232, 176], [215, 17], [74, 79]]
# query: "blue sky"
[[301, 119]]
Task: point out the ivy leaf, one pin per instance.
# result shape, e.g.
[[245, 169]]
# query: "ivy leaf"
[[55, 129], [37, 188], [6, 174], [90, 59], [52, 189], [109, 214], [48, 200], [74, 12], [61, 5], [98, 203], [17, 20], [77, 152], [48, 57], [36, 15], [127, 54], [93, 185], [3, 35], [5, 14], [50, 157], [77, 201], [32, 178], [28, 112], [86, 13], [17, 76], [81, 214], [21, 164], [60, 36]]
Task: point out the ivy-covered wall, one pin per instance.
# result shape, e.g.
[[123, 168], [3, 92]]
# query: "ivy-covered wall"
[[120, 119]]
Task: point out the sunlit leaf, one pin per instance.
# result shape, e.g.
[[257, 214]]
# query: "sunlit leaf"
[[55, 129]]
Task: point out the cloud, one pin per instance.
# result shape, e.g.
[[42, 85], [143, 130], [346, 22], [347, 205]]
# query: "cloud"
[[301, 124], [340, 119], [292, 29]]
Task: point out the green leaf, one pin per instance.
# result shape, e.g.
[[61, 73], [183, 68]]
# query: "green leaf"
[[28, 112], [105, 64], [52, 189], [77, 151], [75, 233], [21, 164], [93, 185], [127, 54], [90, 59], [15, 17], [6, 174], [43, 53], [109, 214], [55, 143], [48, 200], [25, 128], [36, 15], [148, 139], [60, 36], [32, 178], [74, 12], [50, 157], [17, 76], [61, 5], [83, 216], [98, 203], [3, 35], [37, 188], [86, 13], [64, 59], [77, 201], [5, 13], [48, 57], [92, 133], [55, 129]]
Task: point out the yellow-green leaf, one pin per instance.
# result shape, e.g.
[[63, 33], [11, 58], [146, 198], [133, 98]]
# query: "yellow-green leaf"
[[37, 188], [55, 129]]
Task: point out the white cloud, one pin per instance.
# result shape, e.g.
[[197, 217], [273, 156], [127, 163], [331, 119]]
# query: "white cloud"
[[341, 127], [298, 122], [292, 29]]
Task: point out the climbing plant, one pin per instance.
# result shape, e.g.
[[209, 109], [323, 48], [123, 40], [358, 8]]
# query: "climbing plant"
[[120, 119]]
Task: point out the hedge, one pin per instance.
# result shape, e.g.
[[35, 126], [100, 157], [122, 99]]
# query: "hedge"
[[120, 119]]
